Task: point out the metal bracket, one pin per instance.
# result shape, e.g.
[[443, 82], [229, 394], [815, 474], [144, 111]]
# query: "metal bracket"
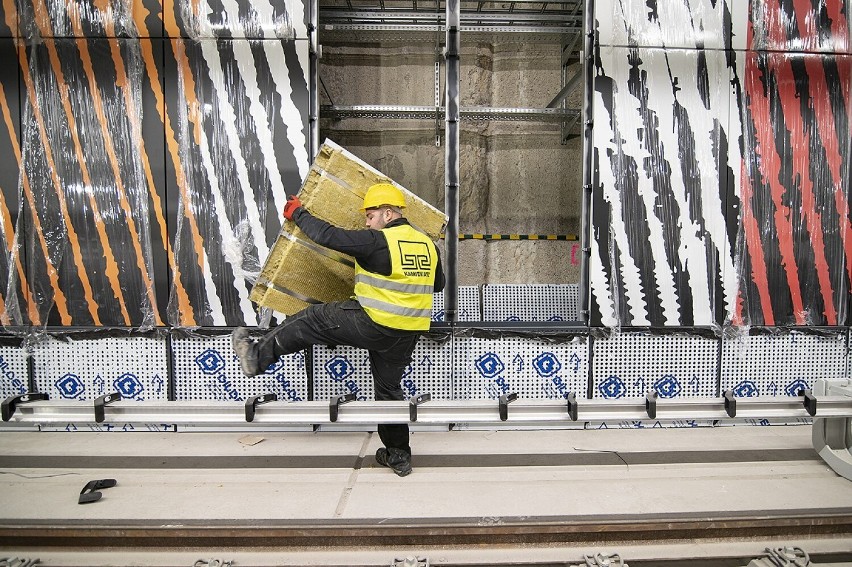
[[809, 402], [11, 403], [505, 400], [101, 403], [571, 399], [414, 402], [90, 491], [335, 403], [254, 401], [651, 404], [730, 403]]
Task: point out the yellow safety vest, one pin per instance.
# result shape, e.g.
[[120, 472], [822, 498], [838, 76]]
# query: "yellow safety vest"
[[402, 300]]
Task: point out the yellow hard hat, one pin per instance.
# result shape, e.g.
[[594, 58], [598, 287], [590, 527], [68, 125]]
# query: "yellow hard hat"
[[383, 194]]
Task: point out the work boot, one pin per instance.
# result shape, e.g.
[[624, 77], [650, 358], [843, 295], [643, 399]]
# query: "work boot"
[[396, 459], [245, 348]]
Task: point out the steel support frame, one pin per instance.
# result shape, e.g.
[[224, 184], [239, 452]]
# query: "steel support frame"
[[451, 162], [411, 112], [584, 299], [313, 88]]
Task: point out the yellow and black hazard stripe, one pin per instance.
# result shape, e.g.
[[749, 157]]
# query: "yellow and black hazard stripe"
[[477, 236]]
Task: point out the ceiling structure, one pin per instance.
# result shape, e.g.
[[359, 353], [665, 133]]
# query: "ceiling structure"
[[522, 21]]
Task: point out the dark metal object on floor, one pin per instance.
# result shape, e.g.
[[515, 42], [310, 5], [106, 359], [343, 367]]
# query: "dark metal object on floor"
[[90, 492]]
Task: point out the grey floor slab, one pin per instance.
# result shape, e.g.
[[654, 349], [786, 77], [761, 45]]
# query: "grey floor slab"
[[478, 476]]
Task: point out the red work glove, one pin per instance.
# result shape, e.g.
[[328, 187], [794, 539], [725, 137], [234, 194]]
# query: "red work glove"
[[293, 203]]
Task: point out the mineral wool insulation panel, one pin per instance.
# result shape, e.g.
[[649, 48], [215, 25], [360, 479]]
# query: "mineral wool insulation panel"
[[629, 365], [206, 368], [82, 370], [489, 368], [778, 365], [346, 370], [13, 371], [509, 302]]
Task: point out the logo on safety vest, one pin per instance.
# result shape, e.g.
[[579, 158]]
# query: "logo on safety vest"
[[416, 259]]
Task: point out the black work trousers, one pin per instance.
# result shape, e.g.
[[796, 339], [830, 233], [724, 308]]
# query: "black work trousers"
[[346, 323]]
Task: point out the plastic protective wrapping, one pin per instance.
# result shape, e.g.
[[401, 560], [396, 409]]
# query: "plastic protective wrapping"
[[237, 20], [721, 187], [151, 171], [794, 236], [794, 256], [83, 227], [239, 128]]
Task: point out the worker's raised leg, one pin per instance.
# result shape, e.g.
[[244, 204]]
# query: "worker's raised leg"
[[327, 323]]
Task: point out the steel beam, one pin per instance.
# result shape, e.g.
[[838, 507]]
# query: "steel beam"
[[584, 300], [468, 112], [451, 158], [545, 19]]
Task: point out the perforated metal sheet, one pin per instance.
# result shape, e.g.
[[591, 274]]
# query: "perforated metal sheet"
[[345, 370], [489, 368], [777, 365], [468, 304], [85, 369], [13, 371], [629, 365], [548, 302], [206, 368]]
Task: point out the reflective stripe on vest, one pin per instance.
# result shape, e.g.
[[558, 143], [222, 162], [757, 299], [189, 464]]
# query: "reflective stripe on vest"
[[402, 300]]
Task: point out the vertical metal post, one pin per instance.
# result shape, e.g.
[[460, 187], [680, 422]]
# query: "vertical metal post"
[[588, 160], [313, 87], [451, 134]]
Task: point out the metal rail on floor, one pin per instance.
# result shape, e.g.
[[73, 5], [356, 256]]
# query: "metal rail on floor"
[[266, 410], [829, 404]]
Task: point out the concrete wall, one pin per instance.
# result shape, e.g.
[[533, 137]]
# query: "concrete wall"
[[516, 177]]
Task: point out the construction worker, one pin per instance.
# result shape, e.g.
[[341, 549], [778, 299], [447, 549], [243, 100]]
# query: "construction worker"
[[397, 268]]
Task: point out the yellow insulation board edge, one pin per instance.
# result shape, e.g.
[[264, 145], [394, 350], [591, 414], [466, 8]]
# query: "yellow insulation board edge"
[[299, 272]]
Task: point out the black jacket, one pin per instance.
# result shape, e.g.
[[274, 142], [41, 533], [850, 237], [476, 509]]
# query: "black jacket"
[[368, 246]]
